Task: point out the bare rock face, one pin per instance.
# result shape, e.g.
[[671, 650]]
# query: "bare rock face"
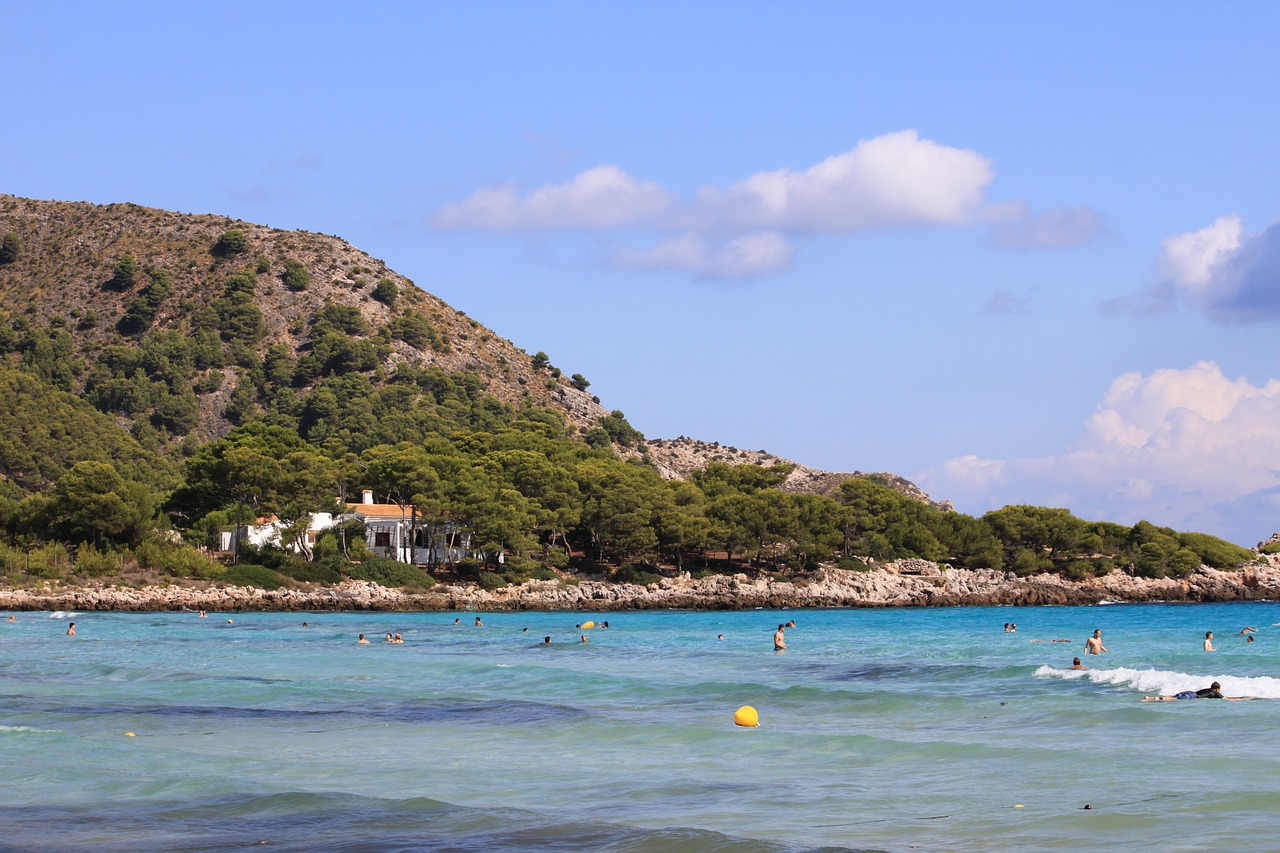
[[679, 458], [913, 583]]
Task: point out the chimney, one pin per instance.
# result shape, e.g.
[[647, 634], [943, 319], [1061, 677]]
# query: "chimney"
[[366, 497]]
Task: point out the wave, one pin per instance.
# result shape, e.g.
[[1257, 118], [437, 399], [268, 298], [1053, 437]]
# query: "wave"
[[1157, 682], [63, 614], [4, 729]]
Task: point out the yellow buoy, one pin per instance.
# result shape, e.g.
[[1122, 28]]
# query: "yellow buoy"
[[589, 624], [746, 716], [1019, 806], [129, 734]]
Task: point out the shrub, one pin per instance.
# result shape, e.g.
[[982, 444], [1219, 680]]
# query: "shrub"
[[295, 275], [386, 292], [311, 573], [489, 580], [389, 573], [247, 574], [232, 242], [638, 575], [10, 248], [93, 563]]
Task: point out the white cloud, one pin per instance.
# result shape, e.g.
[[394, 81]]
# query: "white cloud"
[[1230, 275], [599, 198], [1190, 449], [747, 256], [1190, 260], [894, 179]]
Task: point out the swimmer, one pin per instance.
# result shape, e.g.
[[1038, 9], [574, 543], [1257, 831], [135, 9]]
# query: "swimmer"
[[524, 630], [1213, 691], [546, 641], [1093, 645], [397, 639], [11, 619], [202, 615], [779, 639], [1248, 630], [1249, 639], [362, 641], [479, 624], [304, 624], [1208, 641], [604, 624], [1075, 664], [584, 639], [71, 630], [231, 622], [457, 621], [390, 639], [719, 636], [791, 623]]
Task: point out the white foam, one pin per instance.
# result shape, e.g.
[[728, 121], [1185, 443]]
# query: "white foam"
[[59, 614], [1156, 682], [27, 729]]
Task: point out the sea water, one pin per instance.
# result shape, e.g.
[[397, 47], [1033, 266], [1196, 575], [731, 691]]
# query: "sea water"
[[897, 730]]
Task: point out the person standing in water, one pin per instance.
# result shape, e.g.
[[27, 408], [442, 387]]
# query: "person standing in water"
[[71, 630], [1093, 645], [1208, 641], [779, 639]]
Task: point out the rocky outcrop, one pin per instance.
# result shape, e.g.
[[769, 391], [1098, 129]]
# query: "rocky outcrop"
[[909, 583]]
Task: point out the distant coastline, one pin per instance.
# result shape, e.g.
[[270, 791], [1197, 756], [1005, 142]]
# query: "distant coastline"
[[907, 583]]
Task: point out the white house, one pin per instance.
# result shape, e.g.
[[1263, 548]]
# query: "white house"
[[388, 531]]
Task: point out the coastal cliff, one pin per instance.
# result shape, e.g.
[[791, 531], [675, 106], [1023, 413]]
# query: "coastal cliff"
[[908, 583]]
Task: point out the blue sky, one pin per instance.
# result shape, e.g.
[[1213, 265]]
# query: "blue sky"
[[1016, 252]]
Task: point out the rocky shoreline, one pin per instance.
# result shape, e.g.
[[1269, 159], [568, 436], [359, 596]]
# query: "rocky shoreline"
[[907, 583]]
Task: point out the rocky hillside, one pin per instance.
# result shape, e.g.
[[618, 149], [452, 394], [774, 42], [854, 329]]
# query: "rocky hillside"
[[678, 458], [63, 271]]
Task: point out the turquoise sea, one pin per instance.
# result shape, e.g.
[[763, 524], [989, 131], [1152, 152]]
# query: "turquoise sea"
[[896, 730]]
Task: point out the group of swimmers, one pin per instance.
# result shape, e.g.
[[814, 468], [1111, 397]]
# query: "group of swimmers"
[[1094, 646]]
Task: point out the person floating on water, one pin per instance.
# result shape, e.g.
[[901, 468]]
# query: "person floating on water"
[[1213, 691], [1208, 641], [779, 639], [1093, 645]]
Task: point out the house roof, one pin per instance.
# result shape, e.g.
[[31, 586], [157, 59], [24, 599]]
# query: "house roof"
[[379, 510]]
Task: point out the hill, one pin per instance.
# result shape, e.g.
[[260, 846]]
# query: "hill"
[[169, 321], [112, 275]]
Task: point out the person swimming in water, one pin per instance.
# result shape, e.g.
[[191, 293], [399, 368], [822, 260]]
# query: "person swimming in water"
[[1075, 664], [1213, 691]]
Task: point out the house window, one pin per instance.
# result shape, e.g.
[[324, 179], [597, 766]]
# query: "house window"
[[382, 539]]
